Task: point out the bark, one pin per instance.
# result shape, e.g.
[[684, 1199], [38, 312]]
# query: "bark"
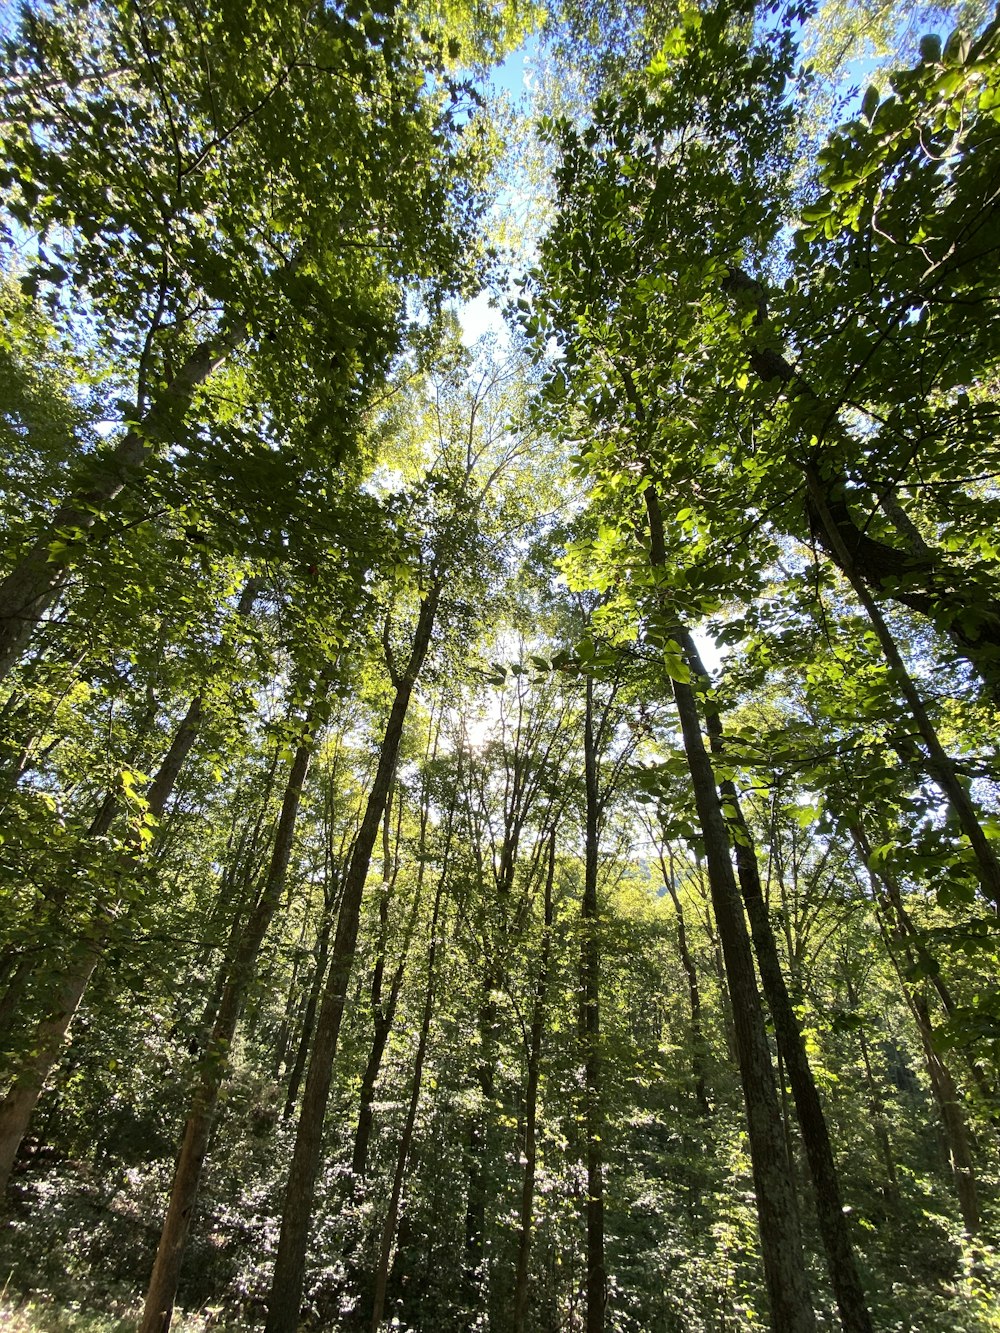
[[385, 1016], [384, 1006], [698, 1078], [590, 975], [876, 1102], [32, 586], [406, 1137], [841, 1262], [309, 1017], [214, 1065], [70, 987], [939, 763], [521, 1288], [781, 1241], [915, 576], [943, 1086], [719, 968], [289, 1271]]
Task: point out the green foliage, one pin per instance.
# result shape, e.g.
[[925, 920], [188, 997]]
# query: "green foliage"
[[297, 193]]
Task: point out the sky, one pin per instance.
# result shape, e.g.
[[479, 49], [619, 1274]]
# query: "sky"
[[512, 77]]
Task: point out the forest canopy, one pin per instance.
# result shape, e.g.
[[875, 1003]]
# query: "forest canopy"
[[499, 830]]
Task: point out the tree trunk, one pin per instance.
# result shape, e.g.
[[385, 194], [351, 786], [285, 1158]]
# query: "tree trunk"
[[943, 1087], [841, 1262], [19, 1104], [479, 1139], [590, 1025], [949, 1101], [289, 1270], [916, 577], [309, 1017], [521, 1289], [781, 1242], [384, 1007], [406, 1138], [876, 1102], [938, 763], [215, 1060], [694, 991]]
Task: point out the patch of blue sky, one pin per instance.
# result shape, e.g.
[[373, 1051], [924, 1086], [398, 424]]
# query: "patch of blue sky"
[[513, 80]]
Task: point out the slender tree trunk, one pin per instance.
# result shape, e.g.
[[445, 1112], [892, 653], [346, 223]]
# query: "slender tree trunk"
[[915, 576], [719, 968], [289, 1271], [590, 1025], [949, 1101], [781, 1241], [521, 1288], [30, 589], [876, 1102], [911, 941], [841, 1262], [384, 1006], [384, 1009], [524, 761], [406, 1138], [215, 1062], [71, 985], [293, 1005], [72, 982], [385, 1016], [479, 1138], [938, 764], [943, 1086], [309, 1017], [698, 1078]]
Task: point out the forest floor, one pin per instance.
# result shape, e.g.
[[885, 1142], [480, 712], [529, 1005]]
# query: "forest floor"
[[43, 1316]]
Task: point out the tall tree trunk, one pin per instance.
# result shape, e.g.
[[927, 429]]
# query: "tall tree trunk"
[[70, 987], [214, 1064], [406, 1137], [526, 1225], [32, 586], [289, 1270], [479, 1143], [915, 576], [943, 1086], [309, 1017], [781, 1241], [698, 1078], [293, 1004], [949, 1101], [938, 763], [840, 1258], [384, 1009], [590, 1024], [384, 1006], [385, 1016], [525, 755], [876, 1102]]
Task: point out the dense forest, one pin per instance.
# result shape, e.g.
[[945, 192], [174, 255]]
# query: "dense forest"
[[499, 666]]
